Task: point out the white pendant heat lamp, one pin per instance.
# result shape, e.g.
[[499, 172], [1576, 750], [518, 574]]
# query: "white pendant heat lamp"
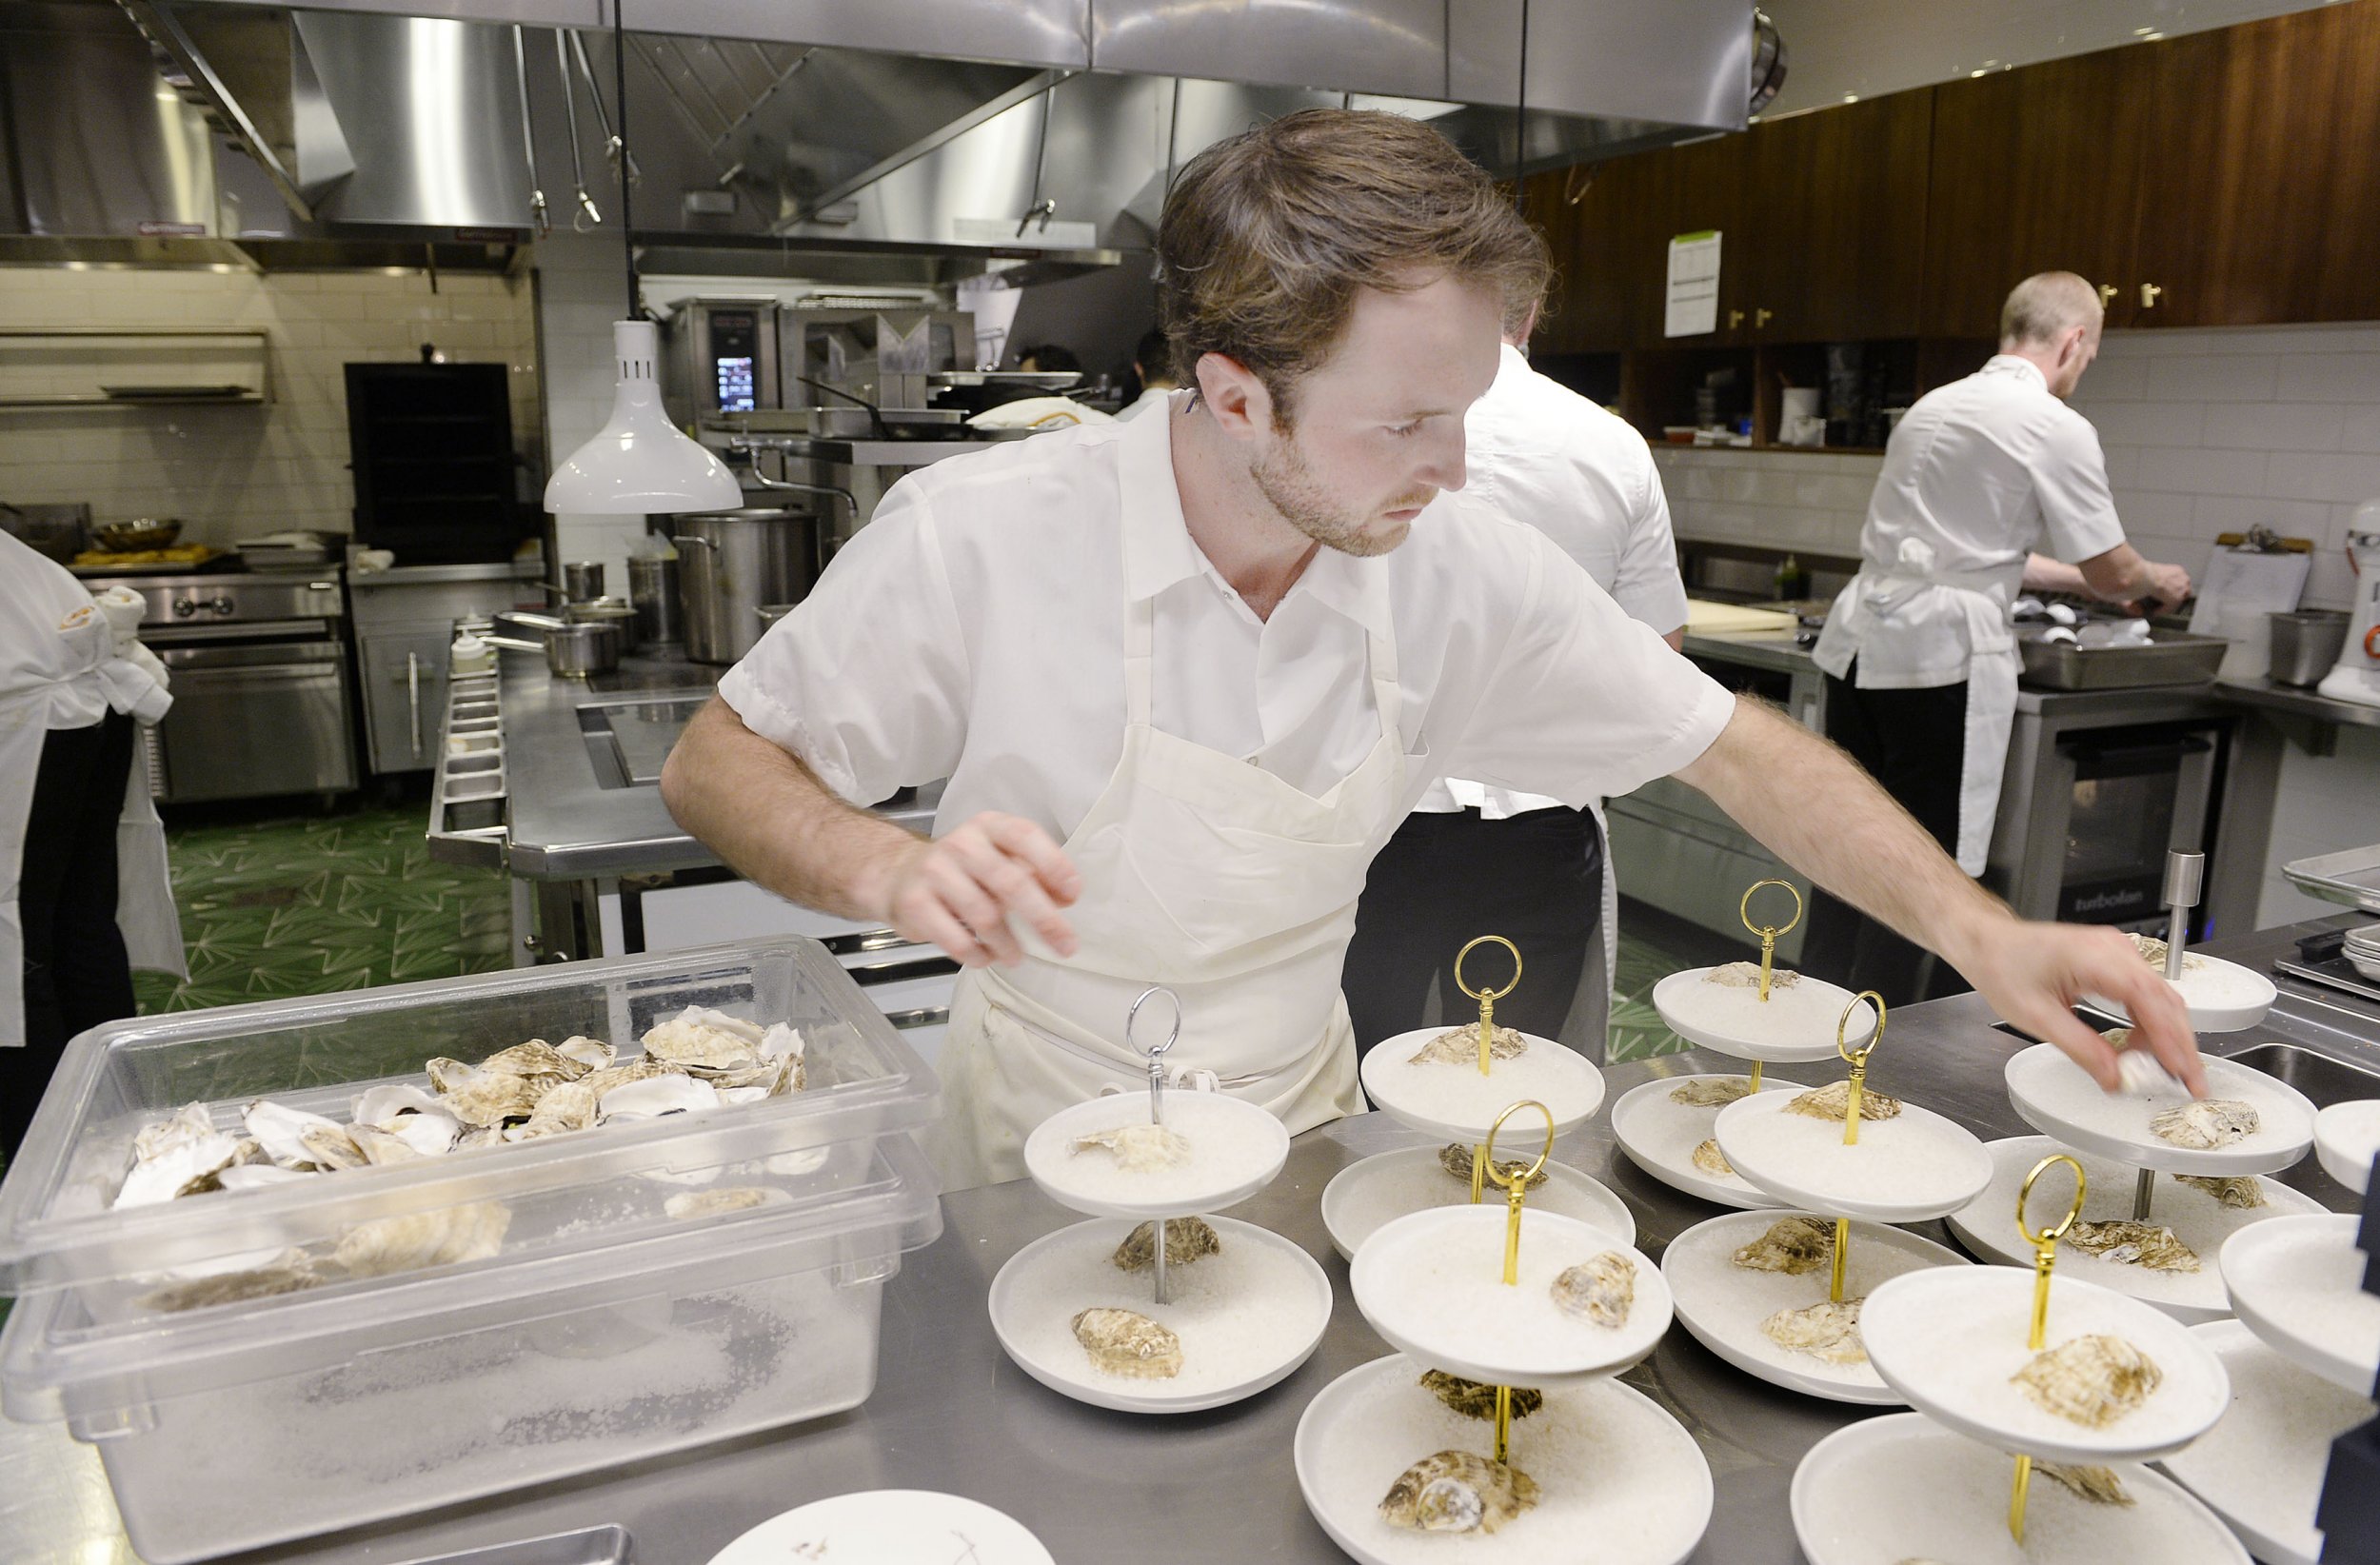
[[639, 464]]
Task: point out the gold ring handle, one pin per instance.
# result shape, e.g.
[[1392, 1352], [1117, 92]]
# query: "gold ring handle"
[[2024, 1198], [1743, 910], [1842, 1029], [1487, 994], [1488, 1150]]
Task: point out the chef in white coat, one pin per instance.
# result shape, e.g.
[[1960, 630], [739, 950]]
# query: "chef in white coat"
[[84, 896], [1918, 649], [1474, 859], [1219, 655]]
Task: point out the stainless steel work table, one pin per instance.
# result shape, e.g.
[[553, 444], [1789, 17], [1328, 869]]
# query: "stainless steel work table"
[[951, 1413]]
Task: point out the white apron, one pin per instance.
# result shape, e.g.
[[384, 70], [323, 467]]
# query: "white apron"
[[84, 649], [1914, 592], [1209, 875]]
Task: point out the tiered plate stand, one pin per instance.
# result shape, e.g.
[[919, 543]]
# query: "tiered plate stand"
[[1453, 1103], [1937, 1482], [1857, 1177], [1246, 1315], [1466, 1290], [1773, 1023]]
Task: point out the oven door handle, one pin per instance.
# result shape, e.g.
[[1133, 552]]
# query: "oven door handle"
[[2095, 762]]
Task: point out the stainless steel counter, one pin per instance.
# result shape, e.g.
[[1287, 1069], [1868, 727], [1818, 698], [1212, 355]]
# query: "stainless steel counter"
[[951, 1413], [2296, 701]]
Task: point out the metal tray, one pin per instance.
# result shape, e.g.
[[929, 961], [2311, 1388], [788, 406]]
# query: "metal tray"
[[2171, 657], [2352, 877], [588, 1546]]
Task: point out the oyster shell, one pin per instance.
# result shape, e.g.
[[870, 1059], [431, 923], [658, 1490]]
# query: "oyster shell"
[[533, 1059], [381, 1146], [2205, 1123], [569, 1106], [2128, 1244], [290, 1272], [656, 1096], [1709, 1159], [1792, 1245], [1186, 1239], [1711, 1091], [1746, 975], [2099, 1485], [1455, 1158], [2240, 1192], [185, 1125], [1474, 1399], [1600, 1289], [1127, 1344], [1831, 1100], [472, 1232], [1458, 1492], [281, 1131], [1140, 1148], [176, 1156], [256, 1176], [689, 1205], [2152, 952], [1461, 1046], [330, 1147], [591, 1052], [385, 1106], [1826, 1331], [700, 1039], [2090, 1380], [489, 1097]]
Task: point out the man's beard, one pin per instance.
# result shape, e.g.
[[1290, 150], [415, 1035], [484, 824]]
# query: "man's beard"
[[1289, 485]]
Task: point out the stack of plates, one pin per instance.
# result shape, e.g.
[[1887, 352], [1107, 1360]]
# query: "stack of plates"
[[2362, 949]]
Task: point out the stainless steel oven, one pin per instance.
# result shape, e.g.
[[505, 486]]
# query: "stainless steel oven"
[[262, 703]]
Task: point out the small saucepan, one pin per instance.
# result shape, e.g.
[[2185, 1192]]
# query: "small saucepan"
[[573, 649]]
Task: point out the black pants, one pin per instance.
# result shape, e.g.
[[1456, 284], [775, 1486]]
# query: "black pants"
[[1536, 879], [76, 974], [1914, 742]]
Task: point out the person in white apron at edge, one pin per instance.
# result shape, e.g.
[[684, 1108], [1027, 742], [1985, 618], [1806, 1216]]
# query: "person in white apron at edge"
[[1219, 655], [1473, 859], [84, 897], [1918, 651]]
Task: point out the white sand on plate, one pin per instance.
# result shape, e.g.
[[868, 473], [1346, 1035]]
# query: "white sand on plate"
[[1666, 1131], [2309, 1285], [1915, 1159], [1227, 1149], [2263, 1463], [1803, 1015], [1240, 1313], [1443, 1284], [2063, 1090], [1619, 1481], [1730, 1301], [1456, 1093], [1391, 1189]]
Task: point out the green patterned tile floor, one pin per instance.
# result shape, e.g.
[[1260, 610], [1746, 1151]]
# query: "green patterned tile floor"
[[1652, 947], [315, 905]]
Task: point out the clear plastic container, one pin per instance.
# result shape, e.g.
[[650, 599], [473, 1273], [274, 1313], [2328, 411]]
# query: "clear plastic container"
[[604, 1330]]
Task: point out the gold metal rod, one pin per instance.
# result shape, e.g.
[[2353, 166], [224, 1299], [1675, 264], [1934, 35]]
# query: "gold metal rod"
[[1487, 1031], [1512, 1235], [1487, 998], [1503, 1422], [2016, 1499], [2144, 1194], [1478, 1171], [1842, 1260], [1768, 961], [1756, 1076], [1851, 1105]]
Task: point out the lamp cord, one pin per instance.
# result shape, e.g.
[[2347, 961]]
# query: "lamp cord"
[[619, 90]]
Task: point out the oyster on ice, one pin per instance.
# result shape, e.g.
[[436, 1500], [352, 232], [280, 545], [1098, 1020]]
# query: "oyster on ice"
[[698, 1039], [472, 1232], [1140, 1148], [1455, 1158], [2091, 1380], [1826, 1331], [1709, 1159], [1186, 1239], [1746, 975], [2204, 1123], [2240, 1192], [1792, 1245], [290, 1272], [1460, 1045], [1474, 1399], [2099, 1485], [1456, 1492], [1711, 1091], [1127, 1344], [1600, 1289], [2128, 1244], [1830, 1101]]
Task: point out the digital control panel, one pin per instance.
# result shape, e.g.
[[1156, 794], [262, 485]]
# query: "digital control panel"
[[735, 343]]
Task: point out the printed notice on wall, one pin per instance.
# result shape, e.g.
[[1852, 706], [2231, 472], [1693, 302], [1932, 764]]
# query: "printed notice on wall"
[[1693, 285]]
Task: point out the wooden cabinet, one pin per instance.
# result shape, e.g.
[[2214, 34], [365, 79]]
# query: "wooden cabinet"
[[1603, 221], [1835, 215]]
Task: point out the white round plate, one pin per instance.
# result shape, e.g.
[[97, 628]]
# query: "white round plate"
[[2261, 1468], [1431, 1285], [1723, 1304], [1988, 1225], [1455, 1103], [1388, 1185], [1950, 1340], [2247, 995], [1237, 1149], [1886, 1490], [2298, 1283], [1610, 1467], [1917, 1165], [1791, 1026], [2059, 1098], [2347, 1137], [1659, 1136], [1247, 1316], [889, 1527]]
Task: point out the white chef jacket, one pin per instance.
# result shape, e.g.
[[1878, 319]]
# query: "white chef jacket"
[[1540, 453], [1979, 474], [973, 630], [1152, 396]]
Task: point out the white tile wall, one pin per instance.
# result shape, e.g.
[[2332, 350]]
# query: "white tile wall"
[[232, 472]]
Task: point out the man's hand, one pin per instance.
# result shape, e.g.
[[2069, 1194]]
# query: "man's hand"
[[2034, 972], [959, 891], [2169, 588]]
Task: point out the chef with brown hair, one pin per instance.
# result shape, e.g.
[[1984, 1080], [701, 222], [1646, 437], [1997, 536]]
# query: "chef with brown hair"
[[1185, 674]]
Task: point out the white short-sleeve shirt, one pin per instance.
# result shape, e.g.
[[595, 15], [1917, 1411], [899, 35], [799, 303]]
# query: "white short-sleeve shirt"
[[974, 630], [1540, 453], [1982, 472]]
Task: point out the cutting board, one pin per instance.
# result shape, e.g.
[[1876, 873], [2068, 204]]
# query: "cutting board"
[[1709, 619]]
